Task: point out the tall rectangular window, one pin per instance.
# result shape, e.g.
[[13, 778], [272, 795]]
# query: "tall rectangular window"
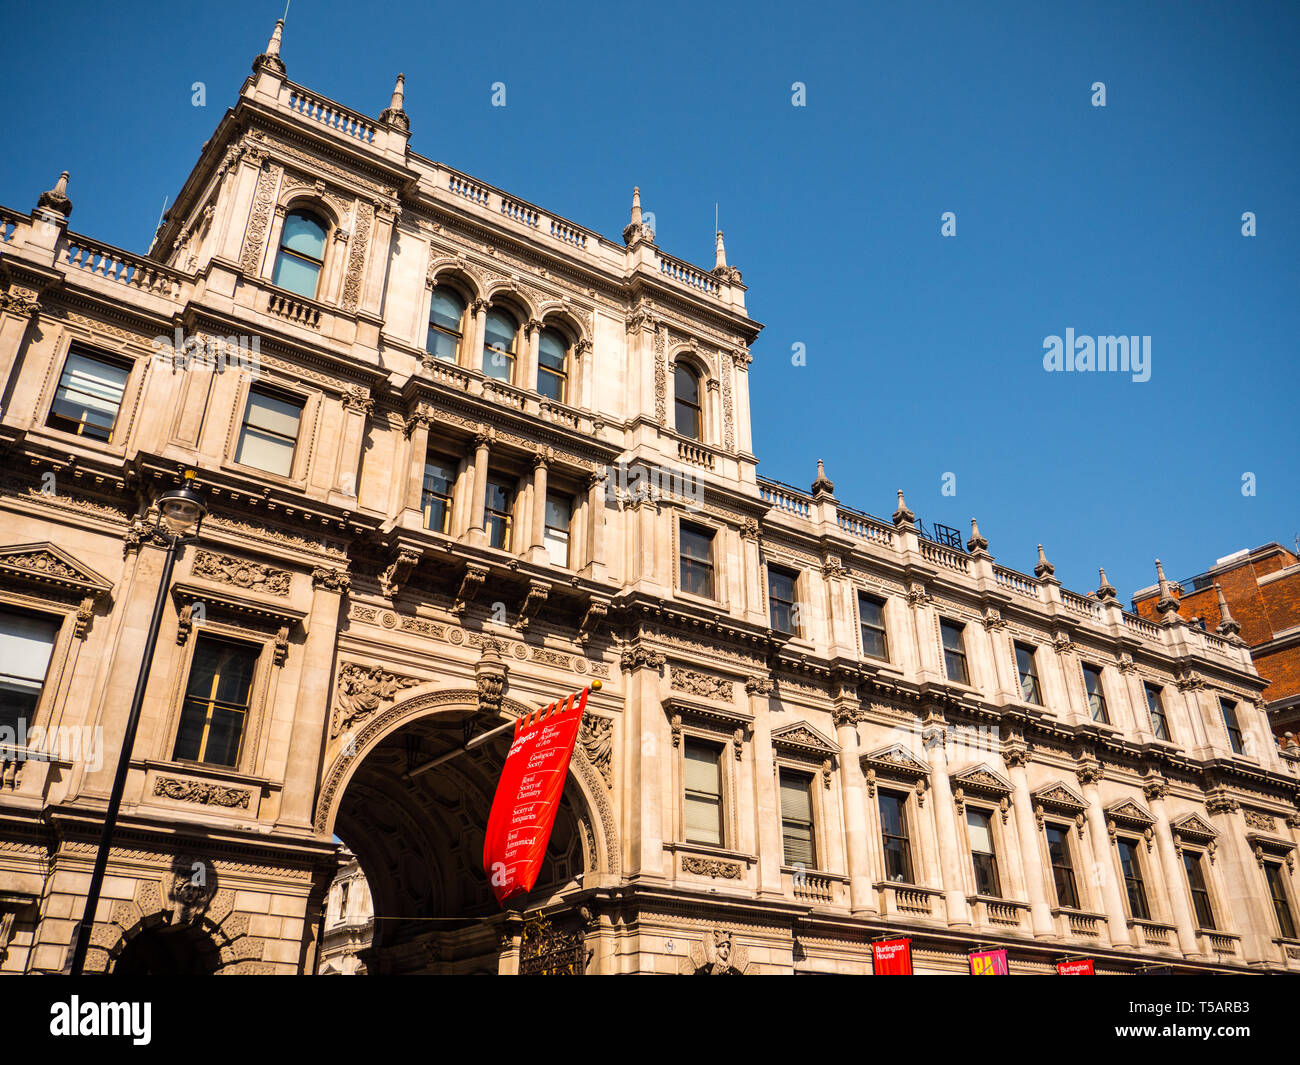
[[559, 514], [797, 819], [1058, 850], [1233, 726], [215, 710], [269, 433], [696, 562], [1281, 904], [499, 506], [1133, 885], [780, 600], [1156, 708], [26, 642], [436, 497], [1200, 893], [954, 651], [89, 395], [893, 830], [1096, 695], [979, 826], [703, 792], [871, 613], [1028, 674]]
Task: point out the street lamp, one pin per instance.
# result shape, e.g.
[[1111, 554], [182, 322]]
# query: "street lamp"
[[180, 512]]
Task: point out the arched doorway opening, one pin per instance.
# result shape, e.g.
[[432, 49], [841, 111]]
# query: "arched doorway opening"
[[418, 837], [167, 950]]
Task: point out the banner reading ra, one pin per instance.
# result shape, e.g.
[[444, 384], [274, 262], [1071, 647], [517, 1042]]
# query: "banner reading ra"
[[528, 795], [989, 963]]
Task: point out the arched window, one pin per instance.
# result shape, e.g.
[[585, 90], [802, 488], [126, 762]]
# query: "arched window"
[[686, 391], [499, 335], [302, 254], [553, 365], [446, 324]]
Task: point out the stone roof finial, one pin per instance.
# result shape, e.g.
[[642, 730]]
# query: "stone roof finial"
[[56, 199], [823, 485], [903, 516], [270, 59], [976, 542], [1227, 623], [722, 253], [1043, 567], [1105, 590], [636, 230], [1168, 603], [393, 115]]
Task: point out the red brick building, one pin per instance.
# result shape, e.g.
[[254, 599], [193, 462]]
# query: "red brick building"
[[1261, 590]]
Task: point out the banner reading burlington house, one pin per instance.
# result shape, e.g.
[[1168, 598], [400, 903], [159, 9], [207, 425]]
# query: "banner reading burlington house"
[[528, 795]]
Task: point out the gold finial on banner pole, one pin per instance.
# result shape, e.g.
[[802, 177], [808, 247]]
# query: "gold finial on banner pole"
[[596, 685]]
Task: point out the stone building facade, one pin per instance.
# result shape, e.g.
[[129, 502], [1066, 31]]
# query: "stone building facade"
[[349, 922], [462, 456]]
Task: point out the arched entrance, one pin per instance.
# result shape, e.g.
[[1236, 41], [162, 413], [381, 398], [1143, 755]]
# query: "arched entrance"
[[418, 836], [166, 950]]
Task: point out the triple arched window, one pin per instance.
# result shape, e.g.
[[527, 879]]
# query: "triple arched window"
[[301, 255]]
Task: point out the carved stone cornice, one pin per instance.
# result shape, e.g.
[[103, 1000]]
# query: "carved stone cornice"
[[333, 580], [241, 573], [470, 583], [637, 656], [759, 686], [202, 792], [399, 570]]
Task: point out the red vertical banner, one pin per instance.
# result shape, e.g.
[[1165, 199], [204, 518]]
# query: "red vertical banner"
[[528, 795], [989, 963], [892, 957], [1078, 967]]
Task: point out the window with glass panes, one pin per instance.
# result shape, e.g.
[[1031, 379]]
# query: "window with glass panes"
[[979, 828], [894, 835], [553, 365], [871, 617], [703, 802], [1134, 886], [559, 514], [436, 496], [689, 415], [215, 711], [269, 433], [302, 254], [1028, 674], [797, 819], [1058, 851], [1096, 696], [499, 334], [498, 507], [1200, 892], [696, 561], [780, 600], [954, 652], [1233, 726], [26, 643], [1281, 904], [1156, 708], [446, 324], [89, 395]]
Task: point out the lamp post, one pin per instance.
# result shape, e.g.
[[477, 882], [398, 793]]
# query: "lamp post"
[[180, 511]]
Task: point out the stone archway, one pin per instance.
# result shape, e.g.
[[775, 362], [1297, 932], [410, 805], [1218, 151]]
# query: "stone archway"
[[419, 838]]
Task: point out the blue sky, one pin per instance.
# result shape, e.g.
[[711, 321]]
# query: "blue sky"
[[924, 353]]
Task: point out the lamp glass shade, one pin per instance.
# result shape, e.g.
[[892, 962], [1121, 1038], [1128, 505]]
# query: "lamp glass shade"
[[181, 510]]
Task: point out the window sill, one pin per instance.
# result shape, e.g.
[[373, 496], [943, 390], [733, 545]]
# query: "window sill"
[[297, 484], [700, 600]]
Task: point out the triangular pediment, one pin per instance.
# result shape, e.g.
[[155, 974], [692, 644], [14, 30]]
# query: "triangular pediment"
[[981, 778], [1128, 812], [801, 736], [895, 758], [47, 564], [1194, 827], [1060, 796]]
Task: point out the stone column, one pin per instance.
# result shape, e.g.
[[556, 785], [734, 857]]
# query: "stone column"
[[1089, 773], [934, 736], [537, 542], [381, 238], [417, 451], [476, 529], [647, 751], [526, 363], [1242, 879], [767, 806], [1040, 913], [18, 307], [357, 406], [595, 546], [472, 356], [853, 794], [311, 716], [1155, 790]]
